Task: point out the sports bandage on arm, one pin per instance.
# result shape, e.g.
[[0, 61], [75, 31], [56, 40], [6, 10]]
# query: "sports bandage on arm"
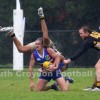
[[40, 13]]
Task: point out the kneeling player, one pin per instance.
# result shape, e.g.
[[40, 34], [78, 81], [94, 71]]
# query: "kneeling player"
[[42, 54]]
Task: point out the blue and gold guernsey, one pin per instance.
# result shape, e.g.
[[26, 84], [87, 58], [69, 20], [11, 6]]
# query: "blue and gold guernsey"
[[41, 59], [46, 57]]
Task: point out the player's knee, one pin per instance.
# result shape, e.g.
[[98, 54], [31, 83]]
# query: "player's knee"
[[39, 89], [64, 89]]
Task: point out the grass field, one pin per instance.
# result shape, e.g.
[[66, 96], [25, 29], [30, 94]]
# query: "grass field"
[[15, 86]]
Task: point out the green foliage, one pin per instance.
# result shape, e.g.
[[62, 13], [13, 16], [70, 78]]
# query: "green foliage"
[[63, 14], [59, 15]]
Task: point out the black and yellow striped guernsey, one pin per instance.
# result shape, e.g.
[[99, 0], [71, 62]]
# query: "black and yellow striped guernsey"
[[92, 41]]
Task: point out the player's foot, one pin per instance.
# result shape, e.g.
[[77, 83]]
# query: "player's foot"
[[88, 89], [69, 79], [10, 33], [95, 89], [6, 28], [55, 87]]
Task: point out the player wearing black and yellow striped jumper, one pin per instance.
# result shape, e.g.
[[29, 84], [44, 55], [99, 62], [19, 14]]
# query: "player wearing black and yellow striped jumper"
[[90, 40]]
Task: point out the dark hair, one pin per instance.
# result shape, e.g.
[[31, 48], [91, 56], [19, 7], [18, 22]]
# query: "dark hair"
[[86, 29], [40, 39]]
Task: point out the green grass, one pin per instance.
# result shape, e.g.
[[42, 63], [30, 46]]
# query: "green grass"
[[15, 86]]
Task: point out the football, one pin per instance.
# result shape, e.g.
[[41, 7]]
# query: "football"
[[46, 64]]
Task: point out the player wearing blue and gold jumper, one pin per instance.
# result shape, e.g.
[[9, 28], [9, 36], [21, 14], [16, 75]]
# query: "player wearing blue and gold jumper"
[[90, 40], [46, 57], [42, 54]]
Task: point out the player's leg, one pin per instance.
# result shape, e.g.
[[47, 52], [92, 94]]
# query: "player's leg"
[[41, 83], [97, 84], [15, 39], [64, 86], [63, 67], [97, 66], [53, 86], [94, 83], [43, 23], [44, 27], [91, 87], [20, 47], [43, 80]]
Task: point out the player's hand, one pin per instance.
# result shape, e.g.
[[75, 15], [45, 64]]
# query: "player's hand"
[[31, 85], [40, 70], [52, 68], [67, 61], [40, 12]]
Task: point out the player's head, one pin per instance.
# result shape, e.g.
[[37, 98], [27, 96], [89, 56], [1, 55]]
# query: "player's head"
[[84, 32], [39, 44]]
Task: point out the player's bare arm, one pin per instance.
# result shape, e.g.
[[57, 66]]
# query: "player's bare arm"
[[56, 56], [31, 65]]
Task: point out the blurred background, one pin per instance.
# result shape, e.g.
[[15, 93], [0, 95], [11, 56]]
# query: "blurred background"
[[63, 18]]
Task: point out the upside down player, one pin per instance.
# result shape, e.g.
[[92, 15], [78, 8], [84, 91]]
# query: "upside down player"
[[49, 43], [31, 46], [90, 40]]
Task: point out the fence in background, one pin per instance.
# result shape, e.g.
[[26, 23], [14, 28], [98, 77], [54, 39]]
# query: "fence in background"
[[66, 41]]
